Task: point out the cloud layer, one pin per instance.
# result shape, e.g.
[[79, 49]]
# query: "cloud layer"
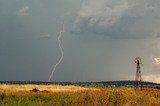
[[119, 19]]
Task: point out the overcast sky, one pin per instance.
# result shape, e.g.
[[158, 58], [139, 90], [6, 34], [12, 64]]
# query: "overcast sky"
[[101, 39]]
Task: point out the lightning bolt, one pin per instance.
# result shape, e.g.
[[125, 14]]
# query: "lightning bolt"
[[62, 53]]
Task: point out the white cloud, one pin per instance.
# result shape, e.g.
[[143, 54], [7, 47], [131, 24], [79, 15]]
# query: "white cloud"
[[152, 78], [119, 18], [24, 11], [147, 77]]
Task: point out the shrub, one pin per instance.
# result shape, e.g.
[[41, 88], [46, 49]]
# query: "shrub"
[[35, 90]]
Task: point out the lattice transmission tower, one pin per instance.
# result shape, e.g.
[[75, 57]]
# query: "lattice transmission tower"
[[138, 78]]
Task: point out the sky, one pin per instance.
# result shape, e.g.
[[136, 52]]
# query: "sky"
[[101, 39]]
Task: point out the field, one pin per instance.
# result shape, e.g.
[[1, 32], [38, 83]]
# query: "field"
[[52, 95]]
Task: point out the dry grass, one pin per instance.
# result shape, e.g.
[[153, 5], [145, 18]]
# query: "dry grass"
[[50, 88], [48, 95]]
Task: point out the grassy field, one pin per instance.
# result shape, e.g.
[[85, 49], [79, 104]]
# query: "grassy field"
[[52, 95]]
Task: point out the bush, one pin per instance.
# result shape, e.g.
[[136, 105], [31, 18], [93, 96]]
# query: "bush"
[[35, 90]]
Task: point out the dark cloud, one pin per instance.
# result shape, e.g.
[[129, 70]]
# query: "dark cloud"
[[119, 19], [29, 31], [24, 55]]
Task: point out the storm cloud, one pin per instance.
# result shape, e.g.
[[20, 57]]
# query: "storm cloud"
[[101, 39], [119, 18]]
